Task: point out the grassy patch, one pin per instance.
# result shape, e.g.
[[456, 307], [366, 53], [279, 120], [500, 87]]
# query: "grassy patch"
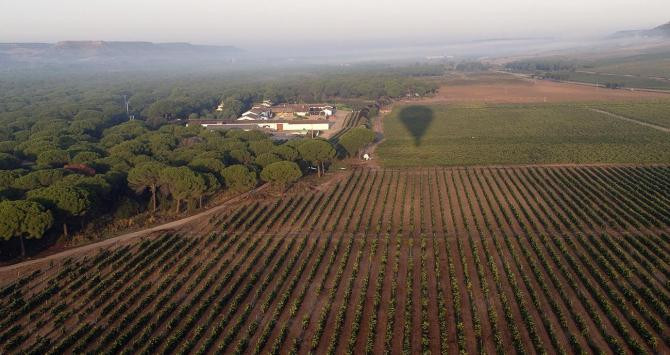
[[515, 134]]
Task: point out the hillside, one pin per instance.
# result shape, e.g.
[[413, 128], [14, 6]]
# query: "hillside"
[[660, 31], [113, 49], [98, 53], [663, 29]]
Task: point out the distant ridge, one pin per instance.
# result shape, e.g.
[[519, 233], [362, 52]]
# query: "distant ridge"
[[663, 28], [94, 53], [136, 46], [660, 31]]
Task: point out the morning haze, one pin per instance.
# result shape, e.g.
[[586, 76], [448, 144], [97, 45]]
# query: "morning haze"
[[298, 22]]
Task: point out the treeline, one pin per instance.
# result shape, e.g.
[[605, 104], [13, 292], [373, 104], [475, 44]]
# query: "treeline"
[[158, 98], [560, 76], [542, 65], [323, 88], [54, 182], [71, 159], [471, 66], [611, 85]]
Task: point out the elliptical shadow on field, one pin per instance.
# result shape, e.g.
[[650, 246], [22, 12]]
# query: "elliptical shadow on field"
[[416, 119]]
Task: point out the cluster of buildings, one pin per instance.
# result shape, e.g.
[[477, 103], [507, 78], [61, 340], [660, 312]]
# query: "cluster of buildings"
[[302, 110], [289, 118], [286, 126], [267, 111]]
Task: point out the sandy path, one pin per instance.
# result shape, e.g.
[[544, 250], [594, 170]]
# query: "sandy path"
[[125, 237], [378, 128]]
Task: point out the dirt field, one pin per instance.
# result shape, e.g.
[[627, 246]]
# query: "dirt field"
[[340, 117], [494, 259], [497, 89]]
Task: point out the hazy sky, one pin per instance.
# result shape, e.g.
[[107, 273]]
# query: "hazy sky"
[[254, 22]]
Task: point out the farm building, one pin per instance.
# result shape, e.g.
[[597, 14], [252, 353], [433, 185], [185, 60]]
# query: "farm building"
[[299, 127], [289, 110], [303, 110], [321, 110], [257, 113]]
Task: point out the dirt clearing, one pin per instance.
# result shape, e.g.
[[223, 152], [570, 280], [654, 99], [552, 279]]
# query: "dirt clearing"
[[521, 90]]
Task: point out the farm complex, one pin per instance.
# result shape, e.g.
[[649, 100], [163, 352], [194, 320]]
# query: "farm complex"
[[289, 118]]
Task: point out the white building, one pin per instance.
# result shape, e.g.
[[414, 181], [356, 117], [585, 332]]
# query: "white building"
[[328, 111], [257, 113], [297, 127]]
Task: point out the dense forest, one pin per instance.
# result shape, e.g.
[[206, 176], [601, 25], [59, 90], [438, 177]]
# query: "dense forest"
[[74, 161]]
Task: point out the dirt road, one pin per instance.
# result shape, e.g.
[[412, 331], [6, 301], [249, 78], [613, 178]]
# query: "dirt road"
[[378, 128], [128, 236]]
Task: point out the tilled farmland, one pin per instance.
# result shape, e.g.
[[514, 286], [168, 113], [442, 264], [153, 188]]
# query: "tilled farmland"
[[560, 259]]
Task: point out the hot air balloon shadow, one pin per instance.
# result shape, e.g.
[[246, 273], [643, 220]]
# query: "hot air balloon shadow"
[[417, 120]]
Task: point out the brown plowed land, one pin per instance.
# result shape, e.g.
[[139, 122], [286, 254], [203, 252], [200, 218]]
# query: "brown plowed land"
[[561, 259], [503, 89]]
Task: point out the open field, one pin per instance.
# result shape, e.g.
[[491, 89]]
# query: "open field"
[[656, 64], [644, 70], [431, 135], [494, 88], [494, 259], [624, 80], [641, 67]]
